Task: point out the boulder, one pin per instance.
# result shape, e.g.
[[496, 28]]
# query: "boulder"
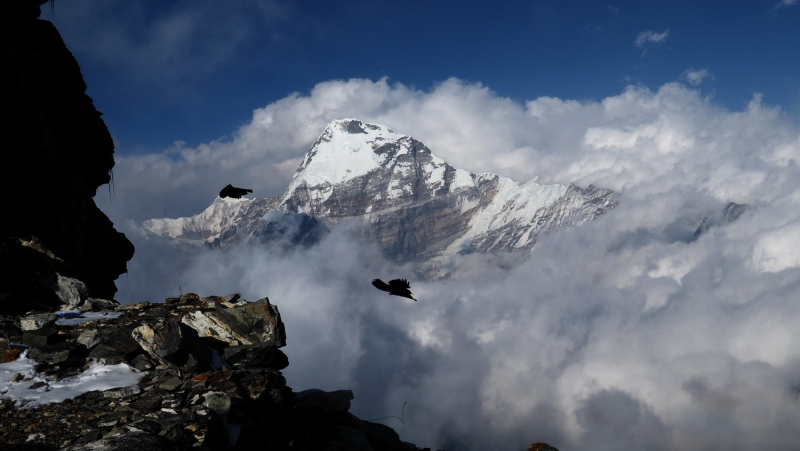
[[38, 321], [132, 307], [64, 353], [122, 392], [253, 323], [90, 338], [95, 304], [218, 402], [72, 292], [117, 347], [41, 337], [173, 344], [142, 362]]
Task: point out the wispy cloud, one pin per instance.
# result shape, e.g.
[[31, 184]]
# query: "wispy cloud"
[[170, 44], [651, 36], [613, 9], [696, 76], [784, 3]]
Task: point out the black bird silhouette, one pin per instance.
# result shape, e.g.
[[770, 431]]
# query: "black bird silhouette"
[[233, 192], [397, 287]]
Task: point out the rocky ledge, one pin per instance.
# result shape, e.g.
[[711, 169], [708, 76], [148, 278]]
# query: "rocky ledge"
[[190, 373]]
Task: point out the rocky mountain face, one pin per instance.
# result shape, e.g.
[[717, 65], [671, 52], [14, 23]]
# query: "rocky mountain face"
[[56, 153], [199, 373], [418, 207]]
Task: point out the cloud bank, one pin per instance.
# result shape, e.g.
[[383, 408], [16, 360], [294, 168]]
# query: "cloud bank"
[[626, 333]]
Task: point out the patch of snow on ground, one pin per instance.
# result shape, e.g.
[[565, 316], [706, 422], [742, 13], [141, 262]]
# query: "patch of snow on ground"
[[97, 377]]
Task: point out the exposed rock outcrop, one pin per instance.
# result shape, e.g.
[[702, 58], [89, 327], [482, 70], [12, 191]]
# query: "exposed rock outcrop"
[[197, 388], [56, 153]]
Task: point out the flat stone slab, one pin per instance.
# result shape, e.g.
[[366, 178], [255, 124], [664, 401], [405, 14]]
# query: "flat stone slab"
[[38, 321], [253, 323]]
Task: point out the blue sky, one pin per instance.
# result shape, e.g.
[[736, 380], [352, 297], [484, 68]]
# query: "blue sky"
[[164, 71]]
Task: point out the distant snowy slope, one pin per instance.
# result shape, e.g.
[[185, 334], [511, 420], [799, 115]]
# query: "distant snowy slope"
[[204, 226]]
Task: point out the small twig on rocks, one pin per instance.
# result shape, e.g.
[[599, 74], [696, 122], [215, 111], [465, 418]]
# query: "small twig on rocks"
[[393, 416]]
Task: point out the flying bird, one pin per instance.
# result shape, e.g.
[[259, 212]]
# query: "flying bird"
[[234, 192], [397, 287]]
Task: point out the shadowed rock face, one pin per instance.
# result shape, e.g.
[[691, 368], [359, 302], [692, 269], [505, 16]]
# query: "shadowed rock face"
[[56, 153]]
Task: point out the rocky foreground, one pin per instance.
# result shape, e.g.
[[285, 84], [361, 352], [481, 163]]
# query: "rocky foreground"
[[210, 379]]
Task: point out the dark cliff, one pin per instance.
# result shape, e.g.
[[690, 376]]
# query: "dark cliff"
[[56, 153]]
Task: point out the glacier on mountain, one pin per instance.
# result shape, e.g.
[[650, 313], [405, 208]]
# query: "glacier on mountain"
[[415, 205]]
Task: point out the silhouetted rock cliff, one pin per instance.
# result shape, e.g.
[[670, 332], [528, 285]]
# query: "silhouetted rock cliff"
[[56, 153]]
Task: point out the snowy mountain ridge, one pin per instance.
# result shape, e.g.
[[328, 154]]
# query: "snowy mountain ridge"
[[418, 207], [204, 226]]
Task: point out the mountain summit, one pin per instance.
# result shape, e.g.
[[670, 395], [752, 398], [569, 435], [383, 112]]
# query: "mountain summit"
[[418, 207]]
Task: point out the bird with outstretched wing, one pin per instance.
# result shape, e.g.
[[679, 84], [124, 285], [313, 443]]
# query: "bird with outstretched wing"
[[234, 192], [396, 287]]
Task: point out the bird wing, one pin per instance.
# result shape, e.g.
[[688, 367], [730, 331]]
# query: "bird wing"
[[400, 283], [381, 285]]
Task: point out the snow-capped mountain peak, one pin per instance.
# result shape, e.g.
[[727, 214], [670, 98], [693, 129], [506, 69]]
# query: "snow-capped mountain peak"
[[418, 207], [345, 150], [391, 164]]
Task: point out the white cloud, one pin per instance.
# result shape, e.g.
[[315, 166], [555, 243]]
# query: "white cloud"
[[696, 76], [770, 248], [651, 36], [784, 3], [629, 323]]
